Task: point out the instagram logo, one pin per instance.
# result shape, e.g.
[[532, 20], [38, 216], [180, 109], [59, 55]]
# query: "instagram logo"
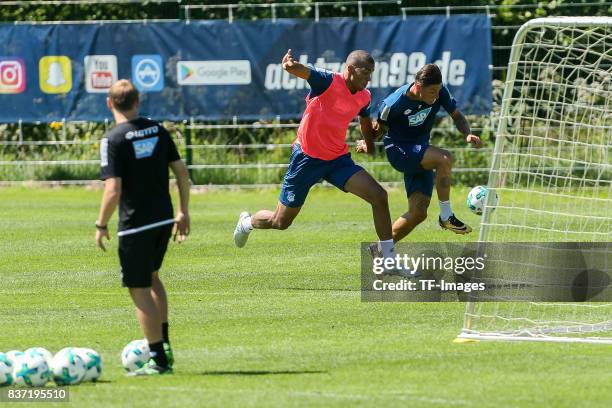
[[12, 75]]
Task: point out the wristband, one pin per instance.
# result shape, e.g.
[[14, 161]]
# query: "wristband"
[[101, 227]]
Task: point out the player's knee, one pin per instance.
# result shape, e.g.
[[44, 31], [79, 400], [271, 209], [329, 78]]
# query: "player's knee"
[[446, 159], [379, 197], [419, 215]]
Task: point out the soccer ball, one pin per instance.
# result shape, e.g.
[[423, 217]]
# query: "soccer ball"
[[13, 354], [135, 355], [93, 363], [6, 370], [68, 367], [31, 370], [477, 198], [40, 351]]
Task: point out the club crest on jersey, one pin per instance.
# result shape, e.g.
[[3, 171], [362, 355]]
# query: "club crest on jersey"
[[407, 111], [419, 117], [144, 148]]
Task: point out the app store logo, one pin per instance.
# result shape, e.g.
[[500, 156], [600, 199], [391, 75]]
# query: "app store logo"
[[226, 72], [12, 75], [148, 73]]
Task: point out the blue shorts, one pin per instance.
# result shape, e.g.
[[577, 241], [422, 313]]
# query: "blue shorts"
[[305, 171], [406, 158]]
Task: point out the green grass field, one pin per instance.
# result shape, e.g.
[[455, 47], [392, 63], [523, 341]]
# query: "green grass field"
[[278, 323]]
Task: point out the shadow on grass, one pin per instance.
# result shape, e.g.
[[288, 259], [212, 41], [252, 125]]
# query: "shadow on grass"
[[262, 372]]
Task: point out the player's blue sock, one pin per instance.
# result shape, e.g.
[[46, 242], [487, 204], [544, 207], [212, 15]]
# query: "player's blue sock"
[[445, 210]]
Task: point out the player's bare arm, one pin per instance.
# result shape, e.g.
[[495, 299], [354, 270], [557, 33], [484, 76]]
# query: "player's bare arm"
[[110, 199], [368, 129], [294, 67], [377, 129], [182, 220], [463, 126]]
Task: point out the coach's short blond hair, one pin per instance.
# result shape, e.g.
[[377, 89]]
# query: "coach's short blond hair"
[[124, 95]]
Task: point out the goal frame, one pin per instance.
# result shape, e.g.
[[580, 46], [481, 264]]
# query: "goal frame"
[[467, 334]]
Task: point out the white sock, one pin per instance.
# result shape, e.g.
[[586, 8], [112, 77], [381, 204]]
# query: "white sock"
[[246, 224], [388, 248], [445, 210]]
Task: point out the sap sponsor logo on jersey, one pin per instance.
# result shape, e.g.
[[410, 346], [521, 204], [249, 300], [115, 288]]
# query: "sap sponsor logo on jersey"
[[144, 148], [153, 130], [419, 117], [400, 69]]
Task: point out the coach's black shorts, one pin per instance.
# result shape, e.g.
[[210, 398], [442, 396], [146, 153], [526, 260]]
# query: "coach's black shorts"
[[141, 254]]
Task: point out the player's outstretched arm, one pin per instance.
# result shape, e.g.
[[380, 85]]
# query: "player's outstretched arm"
[[294, 67], [463, 126], [182, 221]]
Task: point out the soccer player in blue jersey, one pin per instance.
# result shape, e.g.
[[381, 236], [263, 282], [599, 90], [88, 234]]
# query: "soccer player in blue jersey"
[[406, 117]]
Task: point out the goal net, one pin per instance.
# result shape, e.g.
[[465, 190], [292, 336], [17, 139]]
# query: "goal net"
[[552, 169]]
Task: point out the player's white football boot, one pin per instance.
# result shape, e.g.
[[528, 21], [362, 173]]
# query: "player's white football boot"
[[241, 234]]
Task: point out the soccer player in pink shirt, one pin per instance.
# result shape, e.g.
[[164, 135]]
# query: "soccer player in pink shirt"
[[320, 150]]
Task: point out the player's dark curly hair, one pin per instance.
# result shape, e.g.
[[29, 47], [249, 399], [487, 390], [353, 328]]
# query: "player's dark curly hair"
[[123, 94], [429, 75]]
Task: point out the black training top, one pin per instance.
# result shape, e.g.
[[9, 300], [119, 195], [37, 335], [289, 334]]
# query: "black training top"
[[139, 152]]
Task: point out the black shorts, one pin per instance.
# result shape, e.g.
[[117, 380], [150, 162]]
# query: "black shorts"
[[141, 254]]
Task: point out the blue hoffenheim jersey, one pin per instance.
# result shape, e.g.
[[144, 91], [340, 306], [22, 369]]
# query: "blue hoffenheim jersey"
[[410, 120]]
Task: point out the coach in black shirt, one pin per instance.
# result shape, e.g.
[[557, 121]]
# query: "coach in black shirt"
[[135, 157]]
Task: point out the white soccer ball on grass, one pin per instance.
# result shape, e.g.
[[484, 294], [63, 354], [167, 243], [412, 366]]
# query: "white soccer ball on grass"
[[68, 367], [135, 355], [31, 370], [40, 351], [6, 370], [13, 354], [93, 363]]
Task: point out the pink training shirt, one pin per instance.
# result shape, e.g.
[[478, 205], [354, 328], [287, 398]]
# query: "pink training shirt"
[[322, 131]]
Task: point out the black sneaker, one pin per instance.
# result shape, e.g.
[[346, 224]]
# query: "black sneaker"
[[455, 225]]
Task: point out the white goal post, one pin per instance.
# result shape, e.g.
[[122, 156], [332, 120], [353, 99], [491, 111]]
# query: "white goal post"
[[552, 169]]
